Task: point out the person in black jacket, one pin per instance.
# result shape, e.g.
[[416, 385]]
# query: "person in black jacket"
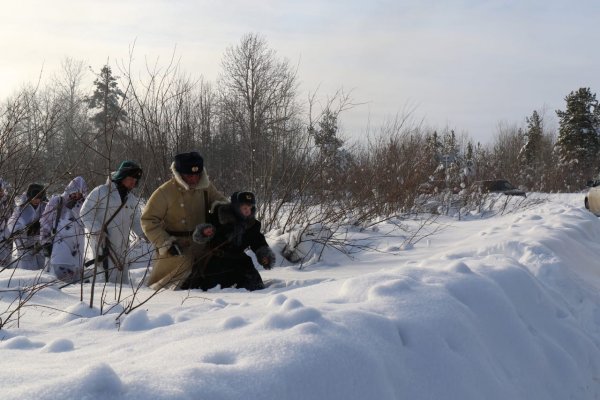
[[232, 230]]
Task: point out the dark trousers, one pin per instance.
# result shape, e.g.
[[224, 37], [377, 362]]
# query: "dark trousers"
[[226, 270]]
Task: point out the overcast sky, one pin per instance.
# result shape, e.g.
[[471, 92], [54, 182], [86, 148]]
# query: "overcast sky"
[[468, 65]]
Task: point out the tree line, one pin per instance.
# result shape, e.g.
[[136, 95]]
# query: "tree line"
[[256, 134]]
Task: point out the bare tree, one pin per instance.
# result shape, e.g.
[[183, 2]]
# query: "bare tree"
[[257, 95]]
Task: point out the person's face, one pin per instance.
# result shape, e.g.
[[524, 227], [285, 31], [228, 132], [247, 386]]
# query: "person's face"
[[191, 179], [75, 196], [35, 201], [246, 210], [129, 182]]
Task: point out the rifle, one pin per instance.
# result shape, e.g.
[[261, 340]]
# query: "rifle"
[[100, 257], [106, 243]]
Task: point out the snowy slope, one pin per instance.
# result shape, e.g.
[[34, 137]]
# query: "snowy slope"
[[506, 307]]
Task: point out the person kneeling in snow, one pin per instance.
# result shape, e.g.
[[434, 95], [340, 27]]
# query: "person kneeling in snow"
[[62, 232], [232, 230]]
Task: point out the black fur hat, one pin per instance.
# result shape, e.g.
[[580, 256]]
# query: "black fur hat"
[[36, 190], [238, 198], [189, 163]]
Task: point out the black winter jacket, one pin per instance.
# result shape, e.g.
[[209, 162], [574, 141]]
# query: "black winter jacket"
[[233, 235]]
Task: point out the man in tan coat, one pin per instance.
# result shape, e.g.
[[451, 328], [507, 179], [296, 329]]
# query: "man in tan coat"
[[171, 215]]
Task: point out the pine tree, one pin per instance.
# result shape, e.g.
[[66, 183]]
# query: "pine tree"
[[469, 169], [450, 147], [106, 99], [432, 150], [333, 160], [535, 131], [451, 160], [578, 142], [531, 154], [109, 115]]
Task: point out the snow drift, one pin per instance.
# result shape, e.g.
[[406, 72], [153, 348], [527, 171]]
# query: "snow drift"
[[500, 308]]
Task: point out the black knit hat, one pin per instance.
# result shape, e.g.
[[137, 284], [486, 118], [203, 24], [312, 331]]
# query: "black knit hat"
[[189, 163], [243, 198], [127, 168], [36, 190]]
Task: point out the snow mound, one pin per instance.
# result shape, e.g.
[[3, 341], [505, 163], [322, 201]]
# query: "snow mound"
[[21, 343], [59, 346], [138, 320]]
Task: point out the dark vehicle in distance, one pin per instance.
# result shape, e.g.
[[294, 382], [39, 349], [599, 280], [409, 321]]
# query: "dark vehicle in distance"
[[499, 186]]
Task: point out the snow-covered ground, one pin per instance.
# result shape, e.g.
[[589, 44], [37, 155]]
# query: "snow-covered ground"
[[505, 307]]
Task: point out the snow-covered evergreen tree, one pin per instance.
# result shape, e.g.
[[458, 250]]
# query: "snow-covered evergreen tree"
[[530, 156], [332, 158], [325, 136], [451, 161], [578, 143], [530, 153]]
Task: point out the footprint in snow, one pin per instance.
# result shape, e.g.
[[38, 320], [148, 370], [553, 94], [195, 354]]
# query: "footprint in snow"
[[220, 358]]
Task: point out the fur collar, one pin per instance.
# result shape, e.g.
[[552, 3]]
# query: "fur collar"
[[216, 204], [226, 215], [202, 184]]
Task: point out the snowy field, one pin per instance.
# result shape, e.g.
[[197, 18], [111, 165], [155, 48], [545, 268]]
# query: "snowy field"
[[502, 307]]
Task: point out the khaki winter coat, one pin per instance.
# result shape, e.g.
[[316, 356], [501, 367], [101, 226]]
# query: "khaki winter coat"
[[170, 216]]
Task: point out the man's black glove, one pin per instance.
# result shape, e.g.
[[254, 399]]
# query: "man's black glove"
[[37, 247], [174, 250], [33, 229], [199, 236], [265, 257]]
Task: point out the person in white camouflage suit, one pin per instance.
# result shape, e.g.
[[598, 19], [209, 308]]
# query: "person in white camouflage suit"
[[5, 212], [62, 233], [23, 227]]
